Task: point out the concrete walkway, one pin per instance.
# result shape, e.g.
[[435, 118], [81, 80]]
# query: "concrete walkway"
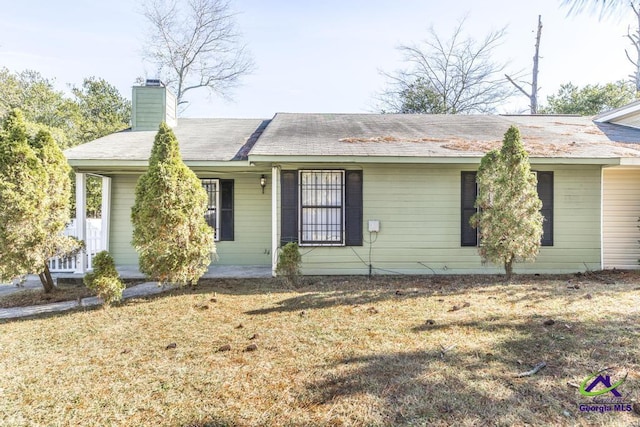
[[147, 288]]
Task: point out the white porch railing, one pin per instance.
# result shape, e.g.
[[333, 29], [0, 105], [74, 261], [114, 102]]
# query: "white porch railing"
[[93, 245]]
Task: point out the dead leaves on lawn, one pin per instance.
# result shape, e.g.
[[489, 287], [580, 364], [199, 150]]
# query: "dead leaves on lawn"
[[223, 348], [460, 307], [251, 347]]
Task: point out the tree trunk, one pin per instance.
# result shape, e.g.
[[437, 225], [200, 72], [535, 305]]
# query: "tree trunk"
[[534, 80], [46, 279], [508, 268], [533, 96]]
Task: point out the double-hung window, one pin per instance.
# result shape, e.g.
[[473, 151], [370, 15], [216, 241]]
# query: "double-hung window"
[[321, 207], [219, 212], [469, 192], [212, 214]]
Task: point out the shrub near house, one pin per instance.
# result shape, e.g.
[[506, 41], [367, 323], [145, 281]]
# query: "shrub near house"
[[104, 279]]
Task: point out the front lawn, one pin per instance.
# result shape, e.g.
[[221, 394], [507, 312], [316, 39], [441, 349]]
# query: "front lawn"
[[337, 351]]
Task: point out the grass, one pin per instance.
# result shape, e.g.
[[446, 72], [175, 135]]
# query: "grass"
[[337, 351]]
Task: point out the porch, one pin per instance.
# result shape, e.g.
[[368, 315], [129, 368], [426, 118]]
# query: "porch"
[[247, 241], [94, 232]]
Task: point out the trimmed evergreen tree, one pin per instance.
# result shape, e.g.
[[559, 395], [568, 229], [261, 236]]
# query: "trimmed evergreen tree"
[[170, 234], [34, 202], [509, 218], [58, 193]]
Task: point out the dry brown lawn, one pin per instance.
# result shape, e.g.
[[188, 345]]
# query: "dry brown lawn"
[[337, 351]]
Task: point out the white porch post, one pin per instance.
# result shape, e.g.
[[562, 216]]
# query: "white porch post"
[[275, 183], [106, 212], [81, 219]]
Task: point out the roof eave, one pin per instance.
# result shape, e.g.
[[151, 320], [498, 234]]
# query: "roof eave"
[[630, 161], [264, 158], [259, 158], [107, 163], [115, 164]]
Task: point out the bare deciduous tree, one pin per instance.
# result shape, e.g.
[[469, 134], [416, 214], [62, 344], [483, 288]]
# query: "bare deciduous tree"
[[603, 7], [195, 44], [634, 38], [533, 95], [615, 7], [451, 76]]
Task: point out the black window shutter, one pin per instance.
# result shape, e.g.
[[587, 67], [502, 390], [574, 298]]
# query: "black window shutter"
[[545, 193], [469, 190], [353, 208], [288, 206], [226, 209]]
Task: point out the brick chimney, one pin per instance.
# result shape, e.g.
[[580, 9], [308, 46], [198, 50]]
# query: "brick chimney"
[[152, 104]]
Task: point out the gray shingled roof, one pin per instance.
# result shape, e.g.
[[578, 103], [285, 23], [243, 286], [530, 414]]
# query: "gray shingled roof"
[[200, 140], [382, 135], [441, 136]]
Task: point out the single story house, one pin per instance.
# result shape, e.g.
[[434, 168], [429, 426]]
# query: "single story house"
[[378, 193]]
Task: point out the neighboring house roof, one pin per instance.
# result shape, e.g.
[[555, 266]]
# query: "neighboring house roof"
[[199, 139], [628, 115], [424, 135]]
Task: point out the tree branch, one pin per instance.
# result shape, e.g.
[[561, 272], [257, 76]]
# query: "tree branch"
[[194, 44], [447, 76], [517, 86]]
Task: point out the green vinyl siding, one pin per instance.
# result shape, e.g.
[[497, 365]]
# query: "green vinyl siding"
[[418, 207], [252, 221], [151, 106], [121, 229]]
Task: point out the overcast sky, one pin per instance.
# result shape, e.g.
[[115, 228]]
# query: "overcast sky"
[[312, 56]]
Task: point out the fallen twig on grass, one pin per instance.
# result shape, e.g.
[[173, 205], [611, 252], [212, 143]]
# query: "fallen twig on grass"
[[444, 350], [593, 274], [533, 371]]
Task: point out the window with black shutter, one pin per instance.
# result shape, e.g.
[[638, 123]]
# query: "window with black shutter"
[[226, 209], [219, 213], [469, 191], [469, 235], [288, 206], [545, 193], [321, 207], [353, 208]]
